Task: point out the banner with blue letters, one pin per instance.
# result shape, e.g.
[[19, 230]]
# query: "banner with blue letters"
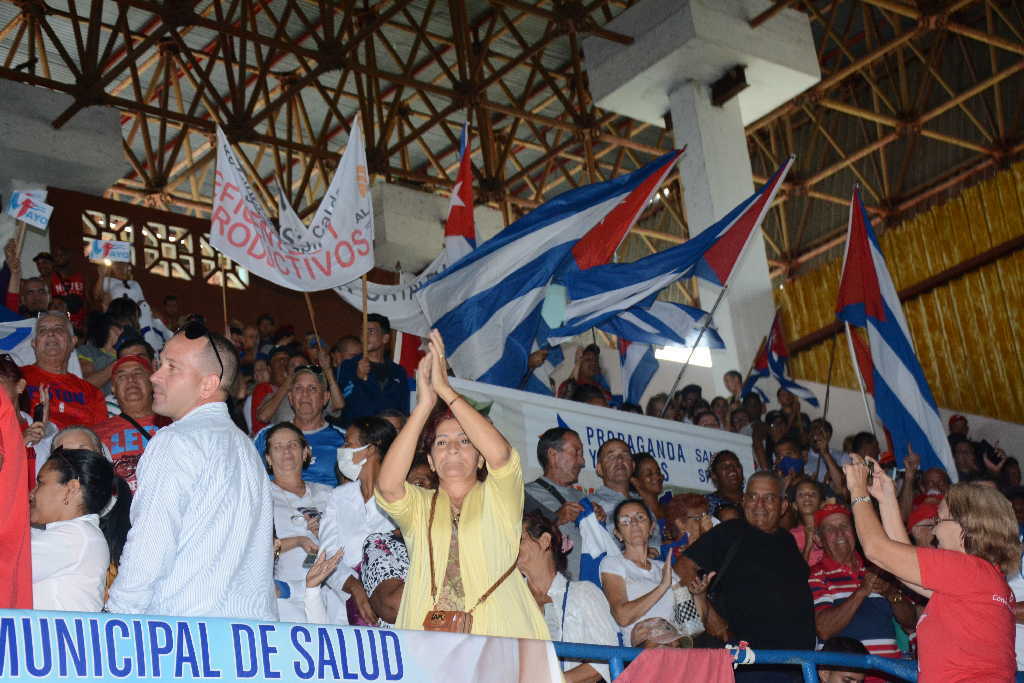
[[682, 450], [109, 647]]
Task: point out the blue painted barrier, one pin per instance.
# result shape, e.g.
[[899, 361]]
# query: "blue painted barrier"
[[617, 657]]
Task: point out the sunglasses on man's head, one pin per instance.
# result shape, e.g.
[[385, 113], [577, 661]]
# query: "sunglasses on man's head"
[[315, 369], [194, 328]]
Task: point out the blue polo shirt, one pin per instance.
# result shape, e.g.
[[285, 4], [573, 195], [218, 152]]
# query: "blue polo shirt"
[[325, 443]]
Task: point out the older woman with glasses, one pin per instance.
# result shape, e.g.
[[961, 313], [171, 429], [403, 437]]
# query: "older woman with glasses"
[[636, 586], [966, 632], [463, 538], [298, 505]]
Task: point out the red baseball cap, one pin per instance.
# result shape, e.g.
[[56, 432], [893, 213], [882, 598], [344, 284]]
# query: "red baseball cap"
[[921, 513], [124, 360], [830, 509]]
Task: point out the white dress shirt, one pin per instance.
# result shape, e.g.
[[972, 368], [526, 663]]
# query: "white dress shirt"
[[69, 565], [587, 618], [349, 520], [201, 542]]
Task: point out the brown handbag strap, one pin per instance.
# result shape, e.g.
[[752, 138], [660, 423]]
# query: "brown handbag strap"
[[430, 551]]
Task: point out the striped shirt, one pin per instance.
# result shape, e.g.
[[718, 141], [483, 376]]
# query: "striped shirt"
[[832, 583], [201, 542]]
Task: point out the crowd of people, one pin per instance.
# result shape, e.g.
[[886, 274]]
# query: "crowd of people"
[[259, 474]]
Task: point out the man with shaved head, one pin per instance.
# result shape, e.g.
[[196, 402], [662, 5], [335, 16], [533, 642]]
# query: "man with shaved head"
[[201, 543]]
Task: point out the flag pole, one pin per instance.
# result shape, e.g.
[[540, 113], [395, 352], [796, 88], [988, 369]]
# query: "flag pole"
[[224, 296], [693, 349], [312, 317], [828, 383], [366, 297], [860, 380]]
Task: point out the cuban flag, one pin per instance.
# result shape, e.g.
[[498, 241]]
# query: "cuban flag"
[[868, 299], [638, 367], [664, 323], [599, 293], [596, 542], [539, 380], [772, 361], [460, 228], [758, 371], [487, 306]]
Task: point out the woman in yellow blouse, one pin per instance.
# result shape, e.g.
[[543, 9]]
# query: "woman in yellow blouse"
[[486, 516]]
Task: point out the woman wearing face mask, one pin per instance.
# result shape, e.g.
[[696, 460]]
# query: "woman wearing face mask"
[[463, 538], [70, 552], [352, 514], [297, 506]]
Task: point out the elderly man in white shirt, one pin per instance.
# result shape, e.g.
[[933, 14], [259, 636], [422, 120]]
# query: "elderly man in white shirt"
[[201, 542]]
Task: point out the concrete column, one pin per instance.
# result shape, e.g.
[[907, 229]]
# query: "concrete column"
[[680, 48], [717, 176]]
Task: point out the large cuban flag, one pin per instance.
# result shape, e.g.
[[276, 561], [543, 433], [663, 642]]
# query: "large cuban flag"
[[487, 306], [868, 299], [601, 292]]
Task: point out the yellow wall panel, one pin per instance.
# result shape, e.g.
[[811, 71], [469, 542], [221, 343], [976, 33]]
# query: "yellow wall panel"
[[967, 332]]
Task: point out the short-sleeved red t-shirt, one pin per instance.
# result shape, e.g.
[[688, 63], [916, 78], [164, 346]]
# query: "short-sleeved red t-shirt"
[[966, 632], [126, 444], [73, 401], [261, 391]]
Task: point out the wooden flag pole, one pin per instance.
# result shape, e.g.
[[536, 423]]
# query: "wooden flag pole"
[[224, 300], [366, 296], [693, 349], [19, 237], [860, 380], [828, 383], [312, 317]]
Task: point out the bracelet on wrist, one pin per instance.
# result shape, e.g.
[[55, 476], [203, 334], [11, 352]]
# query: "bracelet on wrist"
[[452, 402], [860, 499]]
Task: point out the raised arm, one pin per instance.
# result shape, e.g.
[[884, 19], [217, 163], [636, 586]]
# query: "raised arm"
[[394, 469], [897, 557], [487, 439], [626, 611]]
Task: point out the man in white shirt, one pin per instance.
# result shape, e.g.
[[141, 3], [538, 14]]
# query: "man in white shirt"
[[201, 542]]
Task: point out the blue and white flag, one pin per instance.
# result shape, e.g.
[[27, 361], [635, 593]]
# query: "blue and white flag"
[[596, 542], [487, 305], [638, 368], [599, 293], [539, 379], [903, 399]]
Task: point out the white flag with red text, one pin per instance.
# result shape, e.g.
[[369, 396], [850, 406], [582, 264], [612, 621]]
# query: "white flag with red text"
[[336, 248]]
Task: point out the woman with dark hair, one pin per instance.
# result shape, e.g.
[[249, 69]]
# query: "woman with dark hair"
[[464, 537], [575, 611], [71, 548], [966, 632], [806, 497], [297, 508], [352, 514], [649, 481], [726, 472]]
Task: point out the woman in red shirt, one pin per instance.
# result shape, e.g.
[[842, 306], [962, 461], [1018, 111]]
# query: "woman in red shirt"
[[966, 632]]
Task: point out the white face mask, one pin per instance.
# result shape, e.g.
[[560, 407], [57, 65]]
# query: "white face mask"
[[346, 466]]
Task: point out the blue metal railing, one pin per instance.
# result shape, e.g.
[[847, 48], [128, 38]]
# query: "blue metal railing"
[[618, 657]]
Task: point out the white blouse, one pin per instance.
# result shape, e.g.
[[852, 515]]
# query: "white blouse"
[[288, 522], [69, 565], [639, 582], [586, 618]]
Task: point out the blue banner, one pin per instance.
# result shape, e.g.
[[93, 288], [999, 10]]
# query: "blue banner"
[[37, 644]]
